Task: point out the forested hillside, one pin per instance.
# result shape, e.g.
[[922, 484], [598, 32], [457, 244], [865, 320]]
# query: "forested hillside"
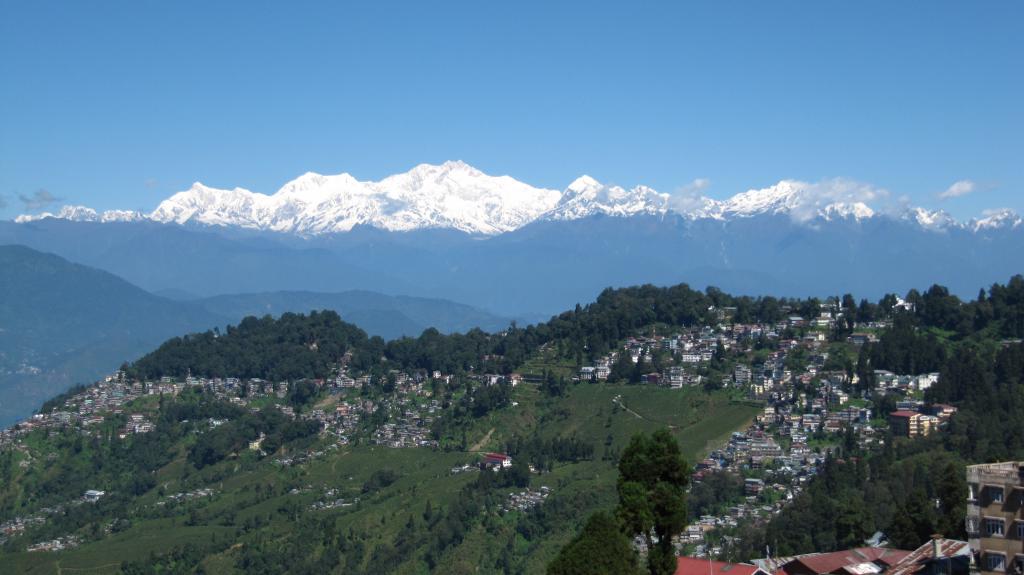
[[301, 441]]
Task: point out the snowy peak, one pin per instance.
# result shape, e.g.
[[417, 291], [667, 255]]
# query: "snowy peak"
[[83, 214], [1004, 218], [845, 211], [935, 220], [803, 201], [457, 196], [783, 197], [585, 197], [451, 195]]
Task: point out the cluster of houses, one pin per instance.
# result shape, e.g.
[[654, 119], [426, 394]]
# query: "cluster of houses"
[[18, 525], [526, 500], [772, 476], [58, 544], [332, 501], [187, 496]]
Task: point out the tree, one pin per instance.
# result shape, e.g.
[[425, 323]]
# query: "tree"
[[652, 495], [600, 549]]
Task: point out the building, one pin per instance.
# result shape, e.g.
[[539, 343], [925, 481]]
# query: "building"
[[497, 460], [911, 423], [861, 561], [995, 516], [937, 557], [696, 566], [93, 495]]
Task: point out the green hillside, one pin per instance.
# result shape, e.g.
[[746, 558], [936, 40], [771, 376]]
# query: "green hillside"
[[253, 503]]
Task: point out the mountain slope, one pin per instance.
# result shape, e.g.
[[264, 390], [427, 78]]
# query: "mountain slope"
[[387, 316], [549, 265], [63, 323]]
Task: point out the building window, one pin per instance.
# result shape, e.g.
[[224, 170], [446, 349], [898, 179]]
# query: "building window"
[[996, 494], [972, 525], [1020, 530], [995, 562], [994, 527]]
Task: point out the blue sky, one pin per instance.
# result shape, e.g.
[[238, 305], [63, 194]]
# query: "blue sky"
[[119, 104]]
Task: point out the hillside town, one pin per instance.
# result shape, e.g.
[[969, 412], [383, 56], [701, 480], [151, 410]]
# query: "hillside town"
[[809, 406]]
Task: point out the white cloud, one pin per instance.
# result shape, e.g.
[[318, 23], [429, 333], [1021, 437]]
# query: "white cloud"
[[959, 188], [690, 197], [818, 195], [695, 187]]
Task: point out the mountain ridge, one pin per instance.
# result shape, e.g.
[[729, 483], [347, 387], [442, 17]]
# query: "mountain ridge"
[[457, 196]]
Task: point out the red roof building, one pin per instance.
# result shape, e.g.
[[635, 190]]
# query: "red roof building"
[[497, 460], [947, 556], [695, 566], [862, 561]]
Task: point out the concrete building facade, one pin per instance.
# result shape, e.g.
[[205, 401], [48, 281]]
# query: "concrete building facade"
[[995, 516]]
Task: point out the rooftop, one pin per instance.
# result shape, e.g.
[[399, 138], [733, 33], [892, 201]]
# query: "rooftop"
[[695, 566]]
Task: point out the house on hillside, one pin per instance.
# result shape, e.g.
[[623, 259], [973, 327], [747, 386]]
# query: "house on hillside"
[[937, 557], [497, 461], [696, 566], [861, 561]]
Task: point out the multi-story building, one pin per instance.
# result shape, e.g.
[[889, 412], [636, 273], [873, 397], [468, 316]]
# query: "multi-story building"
[[995, 516], [911, 423]]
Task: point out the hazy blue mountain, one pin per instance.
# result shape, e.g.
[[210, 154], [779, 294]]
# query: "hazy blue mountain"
[[63, 323], [201, 261], [548, 265], [378, 314]]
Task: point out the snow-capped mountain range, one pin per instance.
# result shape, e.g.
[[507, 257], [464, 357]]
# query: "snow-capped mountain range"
[[457, 196]]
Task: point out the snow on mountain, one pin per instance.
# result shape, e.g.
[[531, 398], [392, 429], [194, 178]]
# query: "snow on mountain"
[[452, 195], [997, 219], [783, 197], [802, 201], [934, 220], [457, 196], [586, 197], [83, 214], [845, 210]]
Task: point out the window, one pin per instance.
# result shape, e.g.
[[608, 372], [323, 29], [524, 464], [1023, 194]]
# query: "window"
[[996, 493], [1020, 530], [972, 525], [994, 527], [995, 561]]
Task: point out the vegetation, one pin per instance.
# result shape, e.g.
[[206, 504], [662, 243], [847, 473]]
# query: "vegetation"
[[910, 489], [190, 496]]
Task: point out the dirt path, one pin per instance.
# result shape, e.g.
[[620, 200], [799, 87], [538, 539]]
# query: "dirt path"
[[617, 400], [61, 570], [480, 444]]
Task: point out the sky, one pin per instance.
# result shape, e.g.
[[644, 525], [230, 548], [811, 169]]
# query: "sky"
[[120, 104]]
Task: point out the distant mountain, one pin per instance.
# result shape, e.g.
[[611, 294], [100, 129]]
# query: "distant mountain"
[[387, 316], [456, 196], [553, 264], [63, 323], [494, 243]]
